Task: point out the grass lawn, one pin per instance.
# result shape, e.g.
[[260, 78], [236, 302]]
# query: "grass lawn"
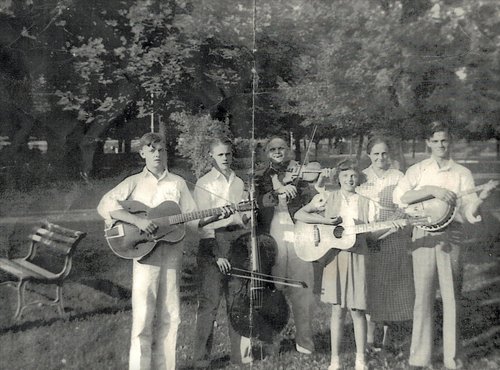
[[97, 297]]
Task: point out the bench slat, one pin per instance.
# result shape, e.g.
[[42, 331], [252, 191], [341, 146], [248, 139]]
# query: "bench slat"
[[24, 269], [62, 230], [58, 247], [54, 236], [35, 269]]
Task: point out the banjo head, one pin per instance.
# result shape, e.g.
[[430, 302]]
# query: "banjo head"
[[439, 213]]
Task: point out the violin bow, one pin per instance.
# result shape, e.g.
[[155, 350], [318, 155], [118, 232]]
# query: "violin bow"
[[306, 157]]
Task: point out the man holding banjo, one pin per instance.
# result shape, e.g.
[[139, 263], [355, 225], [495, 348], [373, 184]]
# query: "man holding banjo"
[[436, 253]]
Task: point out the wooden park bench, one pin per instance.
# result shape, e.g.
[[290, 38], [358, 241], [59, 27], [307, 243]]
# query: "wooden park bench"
[[50, 245]]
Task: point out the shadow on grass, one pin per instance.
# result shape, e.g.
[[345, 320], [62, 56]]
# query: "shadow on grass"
[[107, 287], [480, 321], [19, 327]]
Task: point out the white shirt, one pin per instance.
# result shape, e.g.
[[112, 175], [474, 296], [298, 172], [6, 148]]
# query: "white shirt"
[[453, 177], [214, 190], [146, 188]]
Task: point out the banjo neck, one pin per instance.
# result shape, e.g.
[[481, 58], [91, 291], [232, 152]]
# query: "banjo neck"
[[473, 190]]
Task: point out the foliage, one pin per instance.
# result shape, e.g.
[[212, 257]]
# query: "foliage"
[[196, 133], [350, 66]]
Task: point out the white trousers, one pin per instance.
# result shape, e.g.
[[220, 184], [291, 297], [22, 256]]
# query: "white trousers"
[[155, 309]]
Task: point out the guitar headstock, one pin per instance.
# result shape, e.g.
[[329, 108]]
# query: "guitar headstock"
[[245, 205]]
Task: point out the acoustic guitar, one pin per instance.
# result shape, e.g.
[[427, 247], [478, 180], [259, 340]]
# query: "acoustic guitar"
[[440, 213], [313, 241], [129, 242]]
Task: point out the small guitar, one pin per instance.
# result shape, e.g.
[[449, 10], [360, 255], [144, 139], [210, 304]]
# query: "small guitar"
[[313, 241], [127, 241], [440, 213]]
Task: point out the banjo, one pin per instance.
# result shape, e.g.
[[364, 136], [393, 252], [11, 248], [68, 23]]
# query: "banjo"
[[440, 213]]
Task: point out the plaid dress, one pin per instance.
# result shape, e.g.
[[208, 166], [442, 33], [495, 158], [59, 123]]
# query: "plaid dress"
[[389, 272]]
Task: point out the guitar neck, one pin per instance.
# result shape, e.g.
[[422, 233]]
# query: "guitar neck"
[[375, 226], [196, 215]]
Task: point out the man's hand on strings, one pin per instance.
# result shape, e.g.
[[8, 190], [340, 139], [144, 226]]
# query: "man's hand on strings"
[[146, 225], [289, 190], [444, 194], [224, 265]]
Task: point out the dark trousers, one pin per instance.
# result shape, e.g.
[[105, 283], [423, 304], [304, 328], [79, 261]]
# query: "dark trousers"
[[213, 286]]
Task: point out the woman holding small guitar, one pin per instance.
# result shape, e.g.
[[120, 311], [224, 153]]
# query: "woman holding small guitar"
[[344, 276], [436, 254]]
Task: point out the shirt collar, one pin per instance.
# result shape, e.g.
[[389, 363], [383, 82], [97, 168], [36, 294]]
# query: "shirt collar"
[[217, 174], [146, 173], [448, 167]]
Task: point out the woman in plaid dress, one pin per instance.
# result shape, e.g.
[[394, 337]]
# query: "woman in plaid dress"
[[390, 289]]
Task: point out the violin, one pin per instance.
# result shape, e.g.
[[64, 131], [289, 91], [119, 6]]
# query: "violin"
[[307, 172]]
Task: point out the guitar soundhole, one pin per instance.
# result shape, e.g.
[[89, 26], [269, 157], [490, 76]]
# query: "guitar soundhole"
[[338, 231]]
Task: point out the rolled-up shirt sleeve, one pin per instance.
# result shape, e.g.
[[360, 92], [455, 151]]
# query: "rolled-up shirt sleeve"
[[110, 200], [187, 203], [406, 183]]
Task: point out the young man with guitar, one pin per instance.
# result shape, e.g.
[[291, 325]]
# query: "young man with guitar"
[[436, 253], [215, 189], [155, 282]]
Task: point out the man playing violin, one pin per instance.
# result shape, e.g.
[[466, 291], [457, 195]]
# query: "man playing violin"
[[437, 255], [216, 189], [277, 202]]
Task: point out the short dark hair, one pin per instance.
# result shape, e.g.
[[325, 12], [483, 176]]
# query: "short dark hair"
[[151, 138], [437, 126], [377, 140], [220, 141]]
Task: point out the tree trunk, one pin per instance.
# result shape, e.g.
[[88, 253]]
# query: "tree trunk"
[[162, 129], [298, 151], [360, 146], [402, 159], [127, 145], [413, 147], [316, 147]]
